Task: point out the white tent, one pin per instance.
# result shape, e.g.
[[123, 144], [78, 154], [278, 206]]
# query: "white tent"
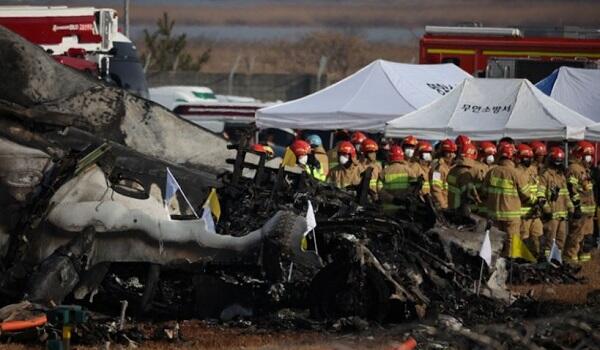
[[576, 88], [592, 133], [489, 109], [367, 99]]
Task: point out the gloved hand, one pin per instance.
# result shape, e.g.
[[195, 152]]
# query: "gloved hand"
[[541, 201], [577, 214], [312, 161]]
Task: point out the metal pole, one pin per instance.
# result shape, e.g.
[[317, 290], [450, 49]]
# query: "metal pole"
[[480, 277], [126, 15]]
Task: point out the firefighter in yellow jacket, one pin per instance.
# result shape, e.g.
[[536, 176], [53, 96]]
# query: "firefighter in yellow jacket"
[[369, 149], [347, 172], [398, 177], [424, 157], [581, 190], [438, 176], [553, 187], [531, 223], [464, 180], [306, 160], [505, 189]]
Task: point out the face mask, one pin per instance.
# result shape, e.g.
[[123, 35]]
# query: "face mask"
[[526, 162], [303, 159], [409, 152], [558, 164], [587, 158], [357, 146], [426, 157], [343, 159], [371, 156], [489, 159]]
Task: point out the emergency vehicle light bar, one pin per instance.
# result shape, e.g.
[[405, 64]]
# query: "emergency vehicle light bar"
[[484, 31]]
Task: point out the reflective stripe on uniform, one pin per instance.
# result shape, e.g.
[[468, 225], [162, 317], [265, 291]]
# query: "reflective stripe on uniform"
[[499, 215], [439, 184], [396, 181]]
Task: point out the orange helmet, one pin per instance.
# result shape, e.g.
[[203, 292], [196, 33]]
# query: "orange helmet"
[[583, 148], [259, 148], [539, 148], [557, 154], [469, 151], [507, 150], [524, 151], [448, 146], [488, 148], [358, 138], [410, 141], [396, 153], [462, 140], [300, 148], [346, 147], [424, 147], [369, 145]]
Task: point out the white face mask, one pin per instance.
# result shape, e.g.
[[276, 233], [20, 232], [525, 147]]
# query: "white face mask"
[[357, 147], [303, 159], [426, 157], [587, 158], [489, 159], [344, 160], [409, 152]]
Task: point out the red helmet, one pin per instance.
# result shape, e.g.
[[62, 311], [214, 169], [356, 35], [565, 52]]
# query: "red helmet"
[[300, 148], [396, 153], [358, 137], [410, 141], [557, 154], [539, 148], [488, 148], [346, 147], [424, 147], [369, 146], [448, 146], [462, 140], [507, 150], [524, 151], [583, 148], [469, 151]]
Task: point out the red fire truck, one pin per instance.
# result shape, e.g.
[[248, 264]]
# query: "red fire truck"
[[84, 38], [508, 52]]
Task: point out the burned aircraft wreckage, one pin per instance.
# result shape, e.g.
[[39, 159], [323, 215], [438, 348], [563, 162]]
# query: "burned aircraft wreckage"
[[82, 174]]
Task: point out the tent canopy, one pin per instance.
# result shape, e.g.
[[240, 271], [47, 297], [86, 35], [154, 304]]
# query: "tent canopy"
[[367, 99], [576, 88], [489, 109]]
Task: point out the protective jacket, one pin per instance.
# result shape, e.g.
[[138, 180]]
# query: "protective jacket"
[[553, 186], [323, 159], [581, 187], [438, 179], [505, 188], [343, 177], [530, 173], [464, 183], [398, 177], [423, 171], [375, 183]]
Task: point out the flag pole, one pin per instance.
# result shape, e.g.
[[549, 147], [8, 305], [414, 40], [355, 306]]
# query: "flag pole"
[[480, 277]]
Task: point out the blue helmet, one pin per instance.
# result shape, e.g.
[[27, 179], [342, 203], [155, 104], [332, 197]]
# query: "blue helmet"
[[314, 140]]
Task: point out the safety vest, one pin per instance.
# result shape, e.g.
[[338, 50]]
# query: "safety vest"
[[316, 173]]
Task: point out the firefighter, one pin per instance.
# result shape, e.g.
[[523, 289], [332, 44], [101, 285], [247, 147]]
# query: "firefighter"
[[553, 187], [347, 172], [332, 156], [464, 181], [357, 140], [581, 190], [320, 154], [461, 141], [424, 158], [409, 146], [506, 188], [369, 148], [438, 176], [531, 224], [259, 148], [540, 152], [487, 151], [398, 176], [306, 160]]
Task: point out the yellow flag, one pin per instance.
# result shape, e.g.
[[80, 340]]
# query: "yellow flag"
[[519, 250], [289, 158], [213, 203]]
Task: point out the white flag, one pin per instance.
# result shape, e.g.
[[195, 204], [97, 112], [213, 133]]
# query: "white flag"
[[311, 222], [555, 253], [486, 249], [209, 223], [171, 187]]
